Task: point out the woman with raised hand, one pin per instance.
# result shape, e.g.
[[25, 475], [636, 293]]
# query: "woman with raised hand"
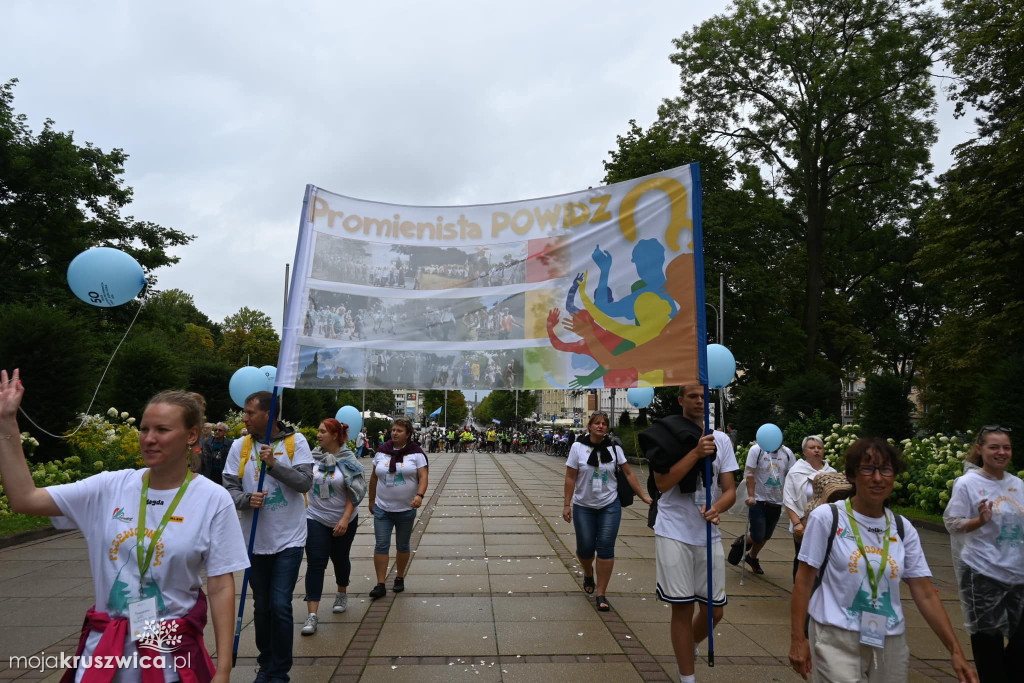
[[592, 503], [985, 518], [861, 551], [168, 526], [800, 486], [331, 517], [397, 486]]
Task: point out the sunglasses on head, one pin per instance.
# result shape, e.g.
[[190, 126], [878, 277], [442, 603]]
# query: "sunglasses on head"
[[992, 428]]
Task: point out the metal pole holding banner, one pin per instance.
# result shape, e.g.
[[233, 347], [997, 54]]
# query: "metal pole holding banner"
[[446, 411], [252, 531], [707, 499]]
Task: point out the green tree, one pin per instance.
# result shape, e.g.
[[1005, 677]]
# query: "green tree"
[[210, 376], [248, 320], [457, 408], [250, 339], [753, 405], [57, 199], [501, 405], [974, 249], [883, 409], [145, 365], [57, 357], [801, 396], [835, 99]]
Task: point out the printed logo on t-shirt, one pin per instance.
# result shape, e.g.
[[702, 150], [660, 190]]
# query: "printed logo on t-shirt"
[[276, 500], [120, 595], [121, 517], [862, 600]]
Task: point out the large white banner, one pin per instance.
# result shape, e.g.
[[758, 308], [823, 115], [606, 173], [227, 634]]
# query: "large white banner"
[[600, 288]]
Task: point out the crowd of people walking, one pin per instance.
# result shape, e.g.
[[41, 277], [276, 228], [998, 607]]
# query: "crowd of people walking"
[[852, 551]]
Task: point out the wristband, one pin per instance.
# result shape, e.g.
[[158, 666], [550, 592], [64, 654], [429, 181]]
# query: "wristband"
[[418, 494]]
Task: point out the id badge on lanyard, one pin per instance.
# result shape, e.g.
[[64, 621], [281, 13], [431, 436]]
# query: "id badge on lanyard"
[[597, 481], [872, 621]]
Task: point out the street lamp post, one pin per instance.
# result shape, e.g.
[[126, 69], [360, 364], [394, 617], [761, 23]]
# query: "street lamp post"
[[720, 338]]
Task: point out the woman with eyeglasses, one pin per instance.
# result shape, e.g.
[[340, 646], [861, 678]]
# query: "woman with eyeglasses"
[[985, 518], [592, 503], [861, 551]]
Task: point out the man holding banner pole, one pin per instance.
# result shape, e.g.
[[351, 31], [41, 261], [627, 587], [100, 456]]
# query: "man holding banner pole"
[[681, 528], [271, 478]]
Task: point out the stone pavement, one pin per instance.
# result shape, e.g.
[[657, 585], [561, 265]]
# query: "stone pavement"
[[493, 593]]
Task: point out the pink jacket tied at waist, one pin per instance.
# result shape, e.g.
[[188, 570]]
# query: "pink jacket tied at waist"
[[115, 631]]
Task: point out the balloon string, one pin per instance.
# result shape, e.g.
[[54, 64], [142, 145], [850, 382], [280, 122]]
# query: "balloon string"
[[95, 393]]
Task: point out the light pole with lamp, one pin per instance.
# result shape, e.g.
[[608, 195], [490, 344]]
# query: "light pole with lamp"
[[720, 334]]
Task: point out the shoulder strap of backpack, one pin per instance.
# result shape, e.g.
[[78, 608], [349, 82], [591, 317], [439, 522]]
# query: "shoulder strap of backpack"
[[899, 525], [289, 447], [246, 453], [828, 546]]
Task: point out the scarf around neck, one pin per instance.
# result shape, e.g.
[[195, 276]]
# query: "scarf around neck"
[[599, 450], [398, 454]]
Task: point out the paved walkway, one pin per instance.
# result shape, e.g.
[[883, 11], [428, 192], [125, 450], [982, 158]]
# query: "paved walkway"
[[493, 594]]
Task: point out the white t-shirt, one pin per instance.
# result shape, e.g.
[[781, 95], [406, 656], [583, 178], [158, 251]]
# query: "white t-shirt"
[[769, 471], [596, 487], [328, 497], [844, 590], [283, 515], [996, 549], [396, 491], [679, 515], [203, 534]]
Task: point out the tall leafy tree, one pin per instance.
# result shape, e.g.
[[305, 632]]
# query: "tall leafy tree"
[[457, 408], [834, 99], [59, 198], [250, 339], [974, 251]]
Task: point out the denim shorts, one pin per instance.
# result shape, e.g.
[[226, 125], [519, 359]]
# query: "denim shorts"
[[596, 529], [763, 518], [384, 522]]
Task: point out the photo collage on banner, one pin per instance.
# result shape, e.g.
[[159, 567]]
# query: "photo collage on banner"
[[600, 288]]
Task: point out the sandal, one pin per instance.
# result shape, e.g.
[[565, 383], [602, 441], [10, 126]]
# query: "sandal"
[[602, 604], [589, 585]]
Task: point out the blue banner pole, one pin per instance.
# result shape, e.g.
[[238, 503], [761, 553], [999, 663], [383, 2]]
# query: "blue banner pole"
[[707, 498], [252, 531]]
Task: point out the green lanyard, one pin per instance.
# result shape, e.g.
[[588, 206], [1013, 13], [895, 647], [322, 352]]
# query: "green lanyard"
[[145, 561], [873, 580]]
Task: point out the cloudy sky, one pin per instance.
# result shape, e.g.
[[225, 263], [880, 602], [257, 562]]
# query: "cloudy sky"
[[229, 109]]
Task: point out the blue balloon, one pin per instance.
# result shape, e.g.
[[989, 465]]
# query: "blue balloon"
[[246, 382], [271, 374], [769, 437], [721, 366], [105, 277], [640, 397], [352, 417]]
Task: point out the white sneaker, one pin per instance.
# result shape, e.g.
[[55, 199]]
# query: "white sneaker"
[[309, 628], [340, 602]]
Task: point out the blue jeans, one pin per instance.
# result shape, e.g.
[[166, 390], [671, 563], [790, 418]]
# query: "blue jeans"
[[763, 518], [273, 579], [384, 522], [321, 544], [596, 529]]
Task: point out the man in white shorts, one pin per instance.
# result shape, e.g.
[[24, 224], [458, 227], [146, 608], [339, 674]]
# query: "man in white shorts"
[[680, 541]]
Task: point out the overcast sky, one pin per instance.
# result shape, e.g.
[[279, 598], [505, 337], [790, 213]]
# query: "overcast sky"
[[229, 109]]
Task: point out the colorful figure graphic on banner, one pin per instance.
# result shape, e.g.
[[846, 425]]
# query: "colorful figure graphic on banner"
[[655, 361]]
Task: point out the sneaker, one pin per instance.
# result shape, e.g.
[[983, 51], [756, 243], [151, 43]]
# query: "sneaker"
[[309, 628], [754, 564], [399, 584], [378, 591], [261, 677], [340, 602], [736, 551]]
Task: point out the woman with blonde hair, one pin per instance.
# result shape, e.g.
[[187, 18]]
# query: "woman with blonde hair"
[[147, 558], [985, 518]]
